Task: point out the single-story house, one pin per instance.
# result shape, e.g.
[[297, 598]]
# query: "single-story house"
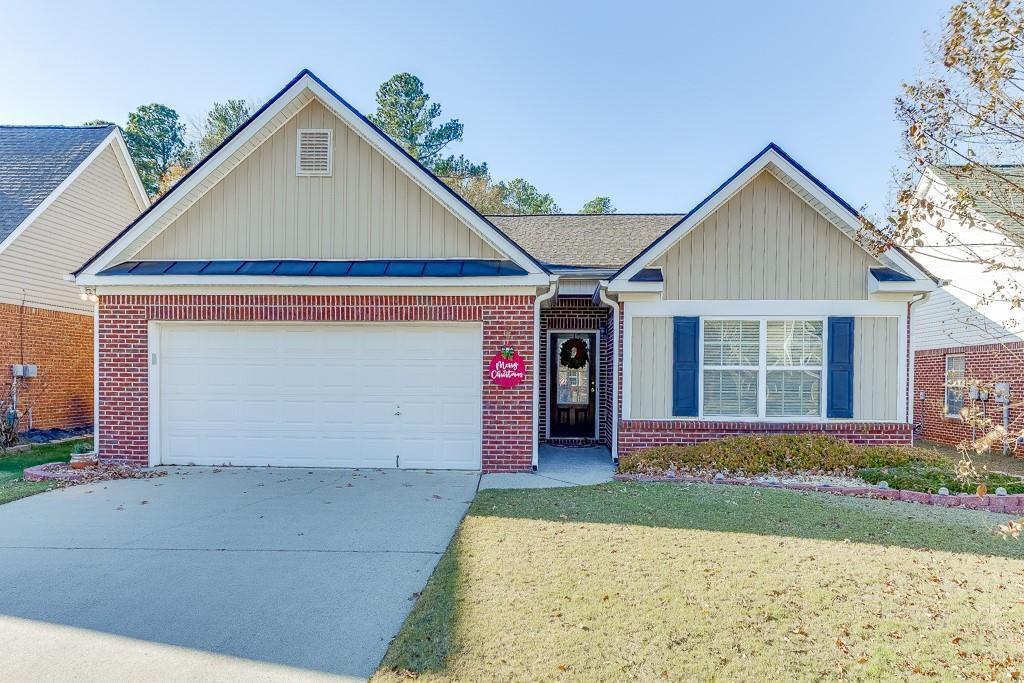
[[310, 295], [64, 192], [968, 336]]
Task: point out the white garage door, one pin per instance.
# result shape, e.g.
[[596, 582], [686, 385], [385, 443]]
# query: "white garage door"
[[318, 395]]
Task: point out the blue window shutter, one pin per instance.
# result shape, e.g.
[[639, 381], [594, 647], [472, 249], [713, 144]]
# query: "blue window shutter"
[[685, 370], [840, 367]]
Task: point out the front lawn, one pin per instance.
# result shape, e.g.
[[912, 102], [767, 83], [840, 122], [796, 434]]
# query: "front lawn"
[[12, 487], [680, 582]]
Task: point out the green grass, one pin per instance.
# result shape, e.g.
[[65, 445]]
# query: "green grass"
[[653, 581], [992, 462], [12, 487]]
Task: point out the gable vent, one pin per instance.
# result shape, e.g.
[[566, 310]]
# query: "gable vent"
[[313, 151]]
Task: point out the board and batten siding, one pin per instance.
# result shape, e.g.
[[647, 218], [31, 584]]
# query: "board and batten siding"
[[83, 218], [766, 242], [368, 208], [651, 371], [877, 344]]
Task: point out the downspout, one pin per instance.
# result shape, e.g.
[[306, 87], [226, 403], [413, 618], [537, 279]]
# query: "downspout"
[[602, 292], [541, 298], [912, 386]]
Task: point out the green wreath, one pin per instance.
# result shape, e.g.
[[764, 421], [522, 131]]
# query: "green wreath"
[[573, 353]]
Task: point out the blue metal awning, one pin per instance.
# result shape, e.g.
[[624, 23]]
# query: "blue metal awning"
[[302, 268]]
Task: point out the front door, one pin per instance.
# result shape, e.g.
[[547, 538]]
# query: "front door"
[[573, 384]]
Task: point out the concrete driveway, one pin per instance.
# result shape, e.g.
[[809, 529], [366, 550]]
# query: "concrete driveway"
[[234, 573]]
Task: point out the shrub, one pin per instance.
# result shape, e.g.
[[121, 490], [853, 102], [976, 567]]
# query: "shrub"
[[930, 478], [773, 453], [81, 448]]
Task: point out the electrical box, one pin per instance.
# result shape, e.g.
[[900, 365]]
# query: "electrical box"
[[24, 370], [1001, 392], [973, 393]]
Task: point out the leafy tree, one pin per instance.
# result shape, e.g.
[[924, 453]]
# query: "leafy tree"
[[964, 122], [522, 197], [99, 122], [459, 168], [404, 112], [221, 121], [155, 137], [598, 205]]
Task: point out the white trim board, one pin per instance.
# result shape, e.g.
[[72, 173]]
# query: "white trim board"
[[307, 82], [776, 163], [289, 282]]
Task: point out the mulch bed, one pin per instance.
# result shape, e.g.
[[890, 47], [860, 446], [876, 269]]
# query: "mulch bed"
[[60, 473]]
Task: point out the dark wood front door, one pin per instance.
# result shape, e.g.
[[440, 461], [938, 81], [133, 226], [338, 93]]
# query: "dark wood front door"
[[573, 384]]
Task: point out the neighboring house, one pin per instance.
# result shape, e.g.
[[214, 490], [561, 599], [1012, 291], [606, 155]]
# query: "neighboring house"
[[967, 332], [311, 295], [64, 192]]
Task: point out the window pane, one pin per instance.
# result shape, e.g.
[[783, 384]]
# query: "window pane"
[[732, 342], [794, 393], [794, 342], [573, 383], [730, 393], [954, 384]]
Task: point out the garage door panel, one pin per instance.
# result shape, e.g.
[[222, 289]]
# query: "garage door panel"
[[320, 395]]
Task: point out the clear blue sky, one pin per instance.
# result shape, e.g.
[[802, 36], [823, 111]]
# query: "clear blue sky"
[[653, 104]]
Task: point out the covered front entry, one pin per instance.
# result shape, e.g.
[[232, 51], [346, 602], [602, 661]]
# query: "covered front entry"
[[575, 369], [316, 395]]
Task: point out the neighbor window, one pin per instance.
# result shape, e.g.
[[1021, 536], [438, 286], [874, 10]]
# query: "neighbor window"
[[954, 384], [762, 368]]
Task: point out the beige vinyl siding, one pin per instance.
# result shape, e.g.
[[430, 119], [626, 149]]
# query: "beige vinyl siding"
[[766, 242], [83, 218], [368, 208], [876, 386], [651, 368]]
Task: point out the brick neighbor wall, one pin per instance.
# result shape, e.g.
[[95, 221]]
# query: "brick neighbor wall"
[[124, 401], [985, 363], [576, 314], [60, 344]]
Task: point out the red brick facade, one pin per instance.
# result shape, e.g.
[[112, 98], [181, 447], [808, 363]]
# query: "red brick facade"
[[637, 434], [987, 363], [124, 401], [61, 345], [577, 314]]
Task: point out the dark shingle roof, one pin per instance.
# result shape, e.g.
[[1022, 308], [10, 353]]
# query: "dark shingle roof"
[[995, 191], [34, 160], [597, 240]]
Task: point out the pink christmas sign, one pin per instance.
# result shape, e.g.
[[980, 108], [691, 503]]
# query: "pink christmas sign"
[[507, 368]]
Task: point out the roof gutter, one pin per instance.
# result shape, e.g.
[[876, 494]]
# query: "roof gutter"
[[602, 294], [541, 298]]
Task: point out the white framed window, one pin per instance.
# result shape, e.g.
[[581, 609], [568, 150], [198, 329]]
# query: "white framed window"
[[756, 368], [314, 152], [954, 384]]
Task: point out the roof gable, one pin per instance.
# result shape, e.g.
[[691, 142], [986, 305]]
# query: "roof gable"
[[366, 208], [34, 161], [794, 176], [301, 91]]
